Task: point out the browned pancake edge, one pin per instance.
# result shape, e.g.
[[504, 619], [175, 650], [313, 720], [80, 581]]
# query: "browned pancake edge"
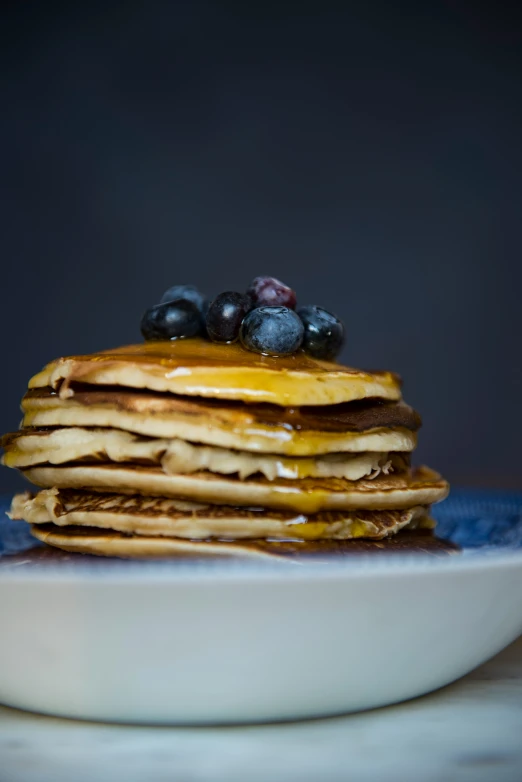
[[357, 416]]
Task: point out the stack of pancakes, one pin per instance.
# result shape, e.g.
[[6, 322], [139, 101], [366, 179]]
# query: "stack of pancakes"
[[191, 448]]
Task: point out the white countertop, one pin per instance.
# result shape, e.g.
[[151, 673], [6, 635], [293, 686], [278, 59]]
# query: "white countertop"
[[469, 731]]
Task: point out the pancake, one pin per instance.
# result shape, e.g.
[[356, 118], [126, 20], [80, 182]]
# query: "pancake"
[[364, 426], [408, 541], [58, 446], [196, 367], [105, 543], [421, 486], [85, 540], [150, 516]]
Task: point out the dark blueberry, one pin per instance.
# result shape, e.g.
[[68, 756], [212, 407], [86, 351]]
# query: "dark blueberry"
[[189, 292], [323, 332], [275, 331], [269, 292], [179, 318], [225, 314]]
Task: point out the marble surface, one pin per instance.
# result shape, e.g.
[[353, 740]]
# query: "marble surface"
[[470, 731]]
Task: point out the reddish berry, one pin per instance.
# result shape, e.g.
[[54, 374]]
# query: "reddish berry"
[[269, 292]]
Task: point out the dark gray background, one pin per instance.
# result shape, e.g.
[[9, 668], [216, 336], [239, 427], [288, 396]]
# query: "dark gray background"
[[368, 153]]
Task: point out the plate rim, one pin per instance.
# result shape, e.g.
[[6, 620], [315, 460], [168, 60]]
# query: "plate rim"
[[157, 572]]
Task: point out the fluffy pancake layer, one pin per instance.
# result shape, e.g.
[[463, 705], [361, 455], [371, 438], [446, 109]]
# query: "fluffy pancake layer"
[[369, 425], [421, 486], [137, 515], [89, 540], [69, 444], [196, 367]]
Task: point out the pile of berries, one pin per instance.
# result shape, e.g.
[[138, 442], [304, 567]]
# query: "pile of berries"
[[264, 319]]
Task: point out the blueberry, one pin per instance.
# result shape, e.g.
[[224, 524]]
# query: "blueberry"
[[275, 331], [269, 292], [225, 315], [179, 318], [323, 332], [189, 292]]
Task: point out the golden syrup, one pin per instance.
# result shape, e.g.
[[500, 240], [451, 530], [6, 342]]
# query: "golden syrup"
[[196, 367]]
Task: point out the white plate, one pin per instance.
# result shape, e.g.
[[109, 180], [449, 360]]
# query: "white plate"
[[215, 642]]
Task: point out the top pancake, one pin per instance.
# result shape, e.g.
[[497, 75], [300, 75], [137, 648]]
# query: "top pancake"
[[195, 367]]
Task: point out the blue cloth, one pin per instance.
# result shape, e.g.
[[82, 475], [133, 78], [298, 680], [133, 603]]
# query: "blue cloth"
[[14, 535], [479, 517]]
